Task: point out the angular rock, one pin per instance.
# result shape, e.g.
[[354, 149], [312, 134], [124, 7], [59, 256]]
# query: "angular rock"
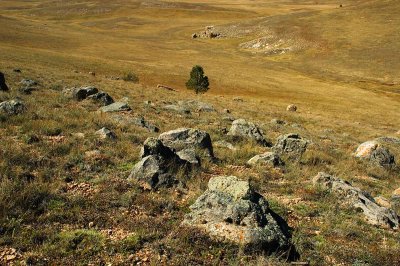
[[12, 107], [3, 85], [115, 107], [224, 144], [374, 152], [292, 145], [102, 97], [105, 133], [80, 94], [291, 108], [230, 211], [154, 171], [177, 108], [244, 129], [188, 138], [269, 158], [153, 146], [360, 200]]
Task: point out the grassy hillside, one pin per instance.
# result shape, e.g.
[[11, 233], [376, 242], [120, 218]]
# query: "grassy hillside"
[[61, 203]]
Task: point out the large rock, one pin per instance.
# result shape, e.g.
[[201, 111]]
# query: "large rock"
[[115, 107], [12, 107], [244, 129], [102, 97], [374, 152], [199, 142], [360, 200], [269, 158], [229, 210], [80, 94], [3, 85], [292, 145]]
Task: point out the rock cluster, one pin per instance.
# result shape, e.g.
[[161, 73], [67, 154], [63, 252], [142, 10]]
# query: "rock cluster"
[[230, 210], [172, 151], [89, 92], [244, 129], [358, 199]]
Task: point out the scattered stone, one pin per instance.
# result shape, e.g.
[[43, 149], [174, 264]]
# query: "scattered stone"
[[226, 111], [105, 133], [102, 97], [3, 85], [374, 152], [92, 73], [115, 107], [189, 139], [291, 108], [79, 135], [28, 83], [17, 70], [244, 129], [269, 158], [229, 210], [228, 118], [292, 145], [177, 108], [12, 107], [224, 144], [147, 102], [360, 200]]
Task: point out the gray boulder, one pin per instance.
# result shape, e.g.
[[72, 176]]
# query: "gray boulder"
[[292, 145], [242, 128], [12, 107], [269, 158], [81, 93], [3, 85], [105, 133], [196, 106], [224, 144], [102, 97], [141, 122], [358, 199], [177, 108], [115, 107], [376, 153], [230, 211], [153, 172], [189, 139], [153, 146]]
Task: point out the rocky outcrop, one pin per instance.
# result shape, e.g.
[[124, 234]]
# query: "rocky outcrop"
[[115, 107], [189, 143], [12, 107], [291, 145], [269, 158], [3, 85], [358, 199], [244, 129], [376, 153], [231, 211]]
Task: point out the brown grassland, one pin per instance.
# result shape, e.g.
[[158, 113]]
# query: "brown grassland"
[[60, 205]]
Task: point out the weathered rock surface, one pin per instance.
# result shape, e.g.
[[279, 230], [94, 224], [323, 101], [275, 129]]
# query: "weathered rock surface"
[[102, 97], [229, 210], [269, 158], [28, 82], [189, 139], [177, 108], [3, 85], [292, 145], [248, 130], [374, 152], [80, 94], [105, 133], [291, 108], [12, 107], [360, 200], [224, 144], [115, 107], [196, 106]]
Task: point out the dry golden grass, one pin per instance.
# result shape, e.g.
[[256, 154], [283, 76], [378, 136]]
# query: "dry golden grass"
[[49, 40]]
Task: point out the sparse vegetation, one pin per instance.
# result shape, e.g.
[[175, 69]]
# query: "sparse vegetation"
[[131, 77]]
